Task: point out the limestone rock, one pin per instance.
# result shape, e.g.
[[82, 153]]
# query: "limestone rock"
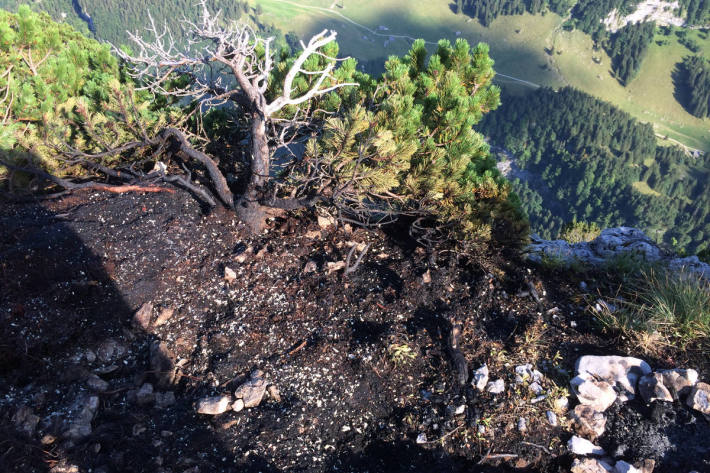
[[213, 405], [699, 398], [551, 418], [590, 465], [274, 393], [522, 424], [165, 315], [619, 371], [82, 413], [679, 382], [561, 404], [588, 422], [480, 378], [611, 243], [141, 319], [623, 467], [652, 389], [599, 395], [527, 373], [238, 405], [252, 391], [580, 446], [692, 265], [496, 387]]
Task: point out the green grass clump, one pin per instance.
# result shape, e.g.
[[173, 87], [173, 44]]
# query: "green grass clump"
[[579, 232], [674, 307]]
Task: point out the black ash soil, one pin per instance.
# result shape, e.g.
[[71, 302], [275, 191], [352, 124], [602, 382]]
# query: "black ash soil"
[[361, 362]]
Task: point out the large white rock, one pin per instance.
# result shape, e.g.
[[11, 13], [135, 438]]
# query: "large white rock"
[[692, 265], [580, 446], [679, 382], [612, 242], [699, 398], [588, 422], [598, 395], [622, 372]]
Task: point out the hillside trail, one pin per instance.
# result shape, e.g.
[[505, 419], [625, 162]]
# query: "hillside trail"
[[388, 35]]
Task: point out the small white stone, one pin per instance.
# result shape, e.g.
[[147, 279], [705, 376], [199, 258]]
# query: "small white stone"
[[90, 356], [96, 383], [580, 446], [460, 409], [623, 467], [238, 405], [496, 387], [145, 394], [590, 465], [561, 404], [522, 424], [551, 418], [213, 405], [480, 378], [421, 438], [699, 398], [536, 388], [229, 275]]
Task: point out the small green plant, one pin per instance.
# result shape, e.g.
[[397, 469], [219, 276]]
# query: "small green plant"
[[578, 232], [401, 353]]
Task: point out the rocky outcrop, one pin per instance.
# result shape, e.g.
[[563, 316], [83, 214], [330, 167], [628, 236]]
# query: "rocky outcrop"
[[610, 244], [601, 381]]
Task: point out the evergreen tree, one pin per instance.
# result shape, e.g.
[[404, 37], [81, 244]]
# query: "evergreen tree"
[[695, 85], [61, 87], [628, 47], [409, 147]]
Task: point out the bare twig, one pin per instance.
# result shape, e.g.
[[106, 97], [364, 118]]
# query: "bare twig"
[[351, 269]]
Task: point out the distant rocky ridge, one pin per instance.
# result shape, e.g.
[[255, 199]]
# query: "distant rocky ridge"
[[660, 11], [610, 244]]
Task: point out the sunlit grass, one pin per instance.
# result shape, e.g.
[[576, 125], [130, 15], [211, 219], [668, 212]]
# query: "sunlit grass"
[[665, 306]]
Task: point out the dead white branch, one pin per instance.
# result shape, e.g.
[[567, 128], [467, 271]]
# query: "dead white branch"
[[211, 50]]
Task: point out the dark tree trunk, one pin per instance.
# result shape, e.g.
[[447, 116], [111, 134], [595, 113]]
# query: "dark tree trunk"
[[249, 209]]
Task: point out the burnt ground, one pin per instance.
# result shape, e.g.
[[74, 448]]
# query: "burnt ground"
[[360, 360]]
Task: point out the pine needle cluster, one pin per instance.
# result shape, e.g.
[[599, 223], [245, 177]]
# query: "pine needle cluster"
[[409, 147], [61, 90]]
